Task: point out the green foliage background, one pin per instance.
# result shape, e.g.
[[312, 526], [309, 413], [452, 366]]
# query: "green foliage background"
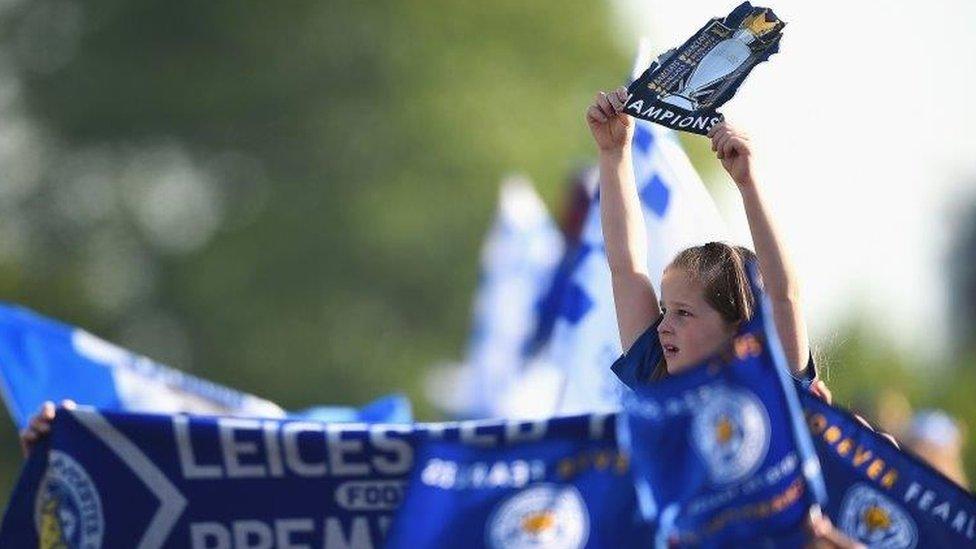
[[354, 150], [380, 131]]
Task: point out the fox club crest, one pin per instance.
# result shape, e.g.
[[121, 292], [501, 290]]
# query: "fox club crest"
[[875, 520], [730, 432], [543, 515], [68, 509]]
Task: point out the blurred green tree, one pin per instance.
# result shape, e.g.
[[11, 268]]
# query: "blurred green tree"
[[287, 198]]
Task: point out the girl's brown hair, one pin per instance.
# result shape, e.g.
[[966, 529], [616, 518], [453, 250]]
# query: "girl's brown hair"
[[721, 270]]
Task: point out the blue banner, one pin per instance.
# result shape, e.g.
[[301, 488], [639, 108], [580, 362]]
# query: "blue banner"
[[720, 453], [42, 359], [882, 496], [131, 480], [568, 487]]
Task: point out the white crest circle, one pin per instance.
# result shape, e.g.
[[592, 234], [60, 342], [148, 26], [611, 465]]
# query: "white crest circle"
[[731, 434], [544, 515]]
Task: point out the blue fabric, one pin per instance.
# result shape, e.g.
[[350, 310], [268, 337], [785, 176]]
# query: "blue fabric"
[[656, 195], [43, 359], [634, 368], [720, 452], [40, 363], [571, 488], [549, 306], [880, 495], [387, 409], [107, 478]]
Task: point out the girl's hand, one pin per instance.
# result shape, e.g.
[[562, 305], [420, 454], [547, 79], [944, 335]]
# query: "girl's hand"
[[40, 425], [819, 388], [611, 128], [734, 149], [823, 534]]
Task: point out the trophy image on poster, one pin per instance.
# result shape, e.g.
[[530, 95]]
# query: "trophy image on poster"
[[684, 87]]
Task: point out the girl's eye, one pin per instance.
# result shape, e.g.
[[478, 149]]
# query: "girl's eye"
[[682, 312]]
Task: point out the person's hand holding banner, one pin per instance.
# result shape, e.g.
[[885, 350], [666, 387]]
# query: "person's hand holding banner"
[[610, 128]]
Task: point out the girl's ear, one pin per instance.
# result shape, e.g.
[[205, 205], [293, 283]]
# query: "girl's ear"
[[732, 328]]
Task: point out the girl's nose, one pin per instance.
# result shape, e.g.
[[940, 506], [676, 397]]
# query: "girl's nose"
[[665, 326]]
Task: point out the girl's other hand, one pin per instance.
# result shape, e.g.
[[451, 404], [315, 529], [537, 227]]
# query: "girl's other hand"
[[611, 128], [819, 388], [734, 149]]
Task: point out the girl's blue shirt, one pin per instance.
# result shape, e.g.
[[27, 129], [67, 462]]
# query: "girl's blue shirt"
[[635, 366]]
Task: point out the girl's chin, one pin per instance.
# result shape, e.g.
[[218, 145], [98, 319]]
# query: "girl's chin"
[[678, 364]]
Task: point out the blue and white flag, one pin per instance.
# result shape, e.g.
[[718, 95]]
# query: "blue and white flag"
[[136, 480], [678, 213], [566, 487], [42, 359], [518, 261], [881, 496], [720, 453]]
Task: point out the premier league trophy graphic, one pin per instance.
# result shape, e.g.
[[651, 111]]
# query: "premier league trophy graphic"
[[684, 87]]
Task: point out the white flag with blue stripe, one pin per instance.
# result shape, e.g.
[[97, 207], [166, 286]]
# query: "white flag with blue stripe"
[[678, 213], [518, 260], [42, 359]]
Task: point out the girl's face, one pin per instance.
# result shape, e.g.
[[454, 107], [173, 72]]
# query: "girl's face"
[[691, 330]]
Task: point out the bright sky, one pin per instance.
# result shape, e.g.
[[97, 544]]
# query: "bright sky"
[[864, 126]]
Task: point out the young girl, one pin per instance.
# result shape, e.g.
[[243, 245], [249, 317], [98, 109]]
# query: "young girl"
[[705, 292]]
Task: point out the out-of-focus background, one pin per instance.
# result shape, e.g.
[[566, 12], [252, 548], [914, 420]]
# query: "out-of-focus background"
[[289, 198]]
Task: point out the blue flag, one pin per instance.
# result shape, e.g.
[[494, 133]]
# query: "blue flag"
[[42, 359], [567, 487], [720, 452], [882, 496]]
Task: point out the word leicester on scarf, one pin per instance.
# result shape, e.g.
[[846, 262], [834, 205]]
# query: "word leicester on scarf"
[[155, 480]]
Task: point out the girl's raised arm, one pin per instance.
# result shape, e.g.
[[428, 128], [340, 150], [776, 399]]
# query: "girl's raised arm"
[[620, 215], [779, 279]]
